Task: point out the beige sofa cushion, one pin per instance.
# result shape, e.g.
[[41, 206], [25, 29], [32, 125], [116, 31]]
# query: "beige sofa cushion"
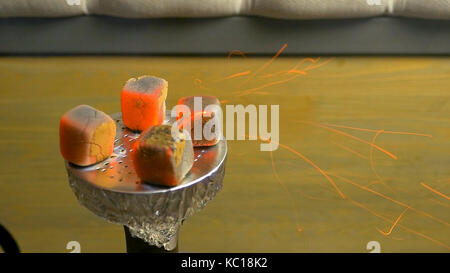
[[314, 9], [431, 9], [165, 8], [42, 8], [284, 9]]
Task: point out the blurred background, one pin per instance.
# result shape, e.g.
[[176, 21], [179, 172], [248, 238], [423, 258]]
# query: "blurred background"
[[363, 88]]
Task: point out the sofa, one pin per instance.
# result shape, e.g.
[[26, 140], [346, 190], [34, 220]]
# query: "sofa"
[[218, 26]]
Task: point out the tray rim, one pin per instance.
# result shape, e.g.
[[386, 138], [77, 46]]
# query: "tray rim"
[[161, 189]]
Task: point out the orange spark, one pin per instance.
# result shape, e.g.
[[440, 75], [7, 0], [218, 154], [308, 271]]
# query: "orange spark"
[[277, 177], [236, 52], [440, 203], [240, 93], [315, 166], [296, 71], [350, 150], [374, 131], [434, 191], [307, 59], [291, 71], [309, 162], [293, 68], [267, 63], [249, 91], [224, 101], [346, 180], [377, 182], [275, 173], [261, 93], [236, 75], [401, 226], [393, 226], [200, 84], [265, 76], [351, 136], [310, 67], [372, 164]]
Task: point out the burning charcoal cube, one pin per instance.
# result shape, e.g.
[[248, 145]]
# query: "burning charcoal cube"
[[161, 157], [143, 102], [201, 116], [86, 135]]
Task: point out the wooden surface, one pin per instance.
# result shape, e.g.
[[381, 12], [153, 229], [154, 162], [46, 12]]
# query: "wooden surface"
[[386, 199]]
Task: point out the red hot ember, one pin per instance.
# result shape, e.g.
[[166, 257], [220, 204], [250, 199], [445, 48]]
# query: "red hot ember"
[[202, 110], [143, 102]]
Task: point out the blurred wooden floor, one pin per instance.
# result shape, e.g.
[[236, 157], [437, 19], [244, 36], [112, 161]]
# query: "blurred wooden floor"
[[254, 211]]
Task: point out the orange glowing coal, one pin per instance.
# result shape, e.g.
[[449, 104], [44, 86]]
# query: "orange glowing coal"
[[198, 116], [143, 102]]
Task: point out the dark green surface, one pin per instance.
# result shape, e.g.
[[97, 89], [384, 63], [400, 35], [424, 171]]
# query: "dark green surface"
[[108, 35]]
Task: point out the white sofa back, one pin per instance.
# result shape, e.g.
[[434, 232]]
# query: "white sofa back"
[[283, 9]]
